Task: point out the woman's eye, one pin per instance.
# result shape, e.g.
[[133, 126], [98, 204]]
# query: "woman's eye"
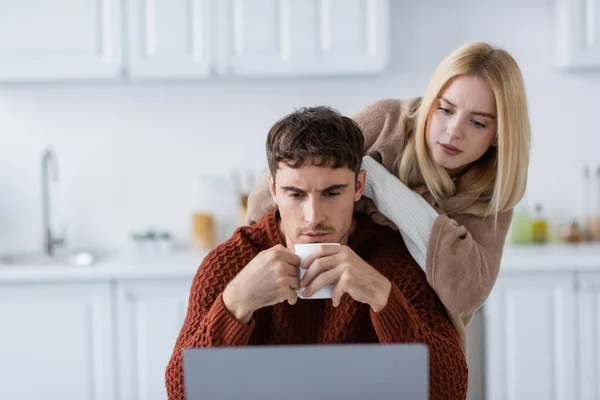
[[478, 124], [445, 110]]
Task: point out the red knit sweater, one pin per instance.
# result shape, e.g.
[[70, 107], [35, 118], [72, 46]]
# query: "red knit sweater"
[[413, 312]]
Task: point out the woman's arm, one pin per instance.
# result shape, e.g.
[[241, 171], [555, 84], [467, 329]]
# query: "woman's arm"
[[260, 201], [413, 216], [385, 125], [463, 260], [461, 255]]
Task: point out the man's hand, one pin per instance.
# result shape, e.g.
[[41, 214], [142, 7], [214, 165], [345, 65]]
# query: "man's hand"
[[340, 265], [270, 278]]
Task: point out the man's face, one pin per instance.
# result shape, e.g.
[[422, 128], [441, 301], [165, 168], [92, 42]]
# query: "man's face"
[[316, 203]]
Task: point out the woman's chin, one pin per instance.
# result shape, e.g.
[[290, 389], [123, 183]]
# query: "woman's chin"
[[451, 166]]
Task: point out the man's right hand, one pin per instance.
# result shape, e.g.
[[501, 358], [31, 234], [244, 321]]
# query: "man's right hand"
[[270, 278]]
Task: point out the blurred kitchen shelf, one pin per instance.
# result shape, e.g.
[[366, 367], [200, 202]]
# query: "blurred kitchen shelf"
[[551, 257]]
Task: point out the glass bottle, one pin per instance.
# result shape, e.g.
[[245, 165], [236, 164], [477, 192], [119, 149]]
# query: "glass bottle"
[[203, 222], [539, 225], [521, 224]]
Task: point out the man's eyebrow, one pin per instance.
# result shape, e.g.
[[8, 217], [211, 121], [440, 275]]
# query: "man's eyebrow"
[[334, 187], [291, 189], [327, 189], [482, 114]]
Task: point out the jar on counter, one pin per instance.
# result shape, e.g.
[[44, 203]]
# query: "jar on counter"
[[572, 233], [203, 231], [520, 227], [539, 225], [243, 209], [206, 197]]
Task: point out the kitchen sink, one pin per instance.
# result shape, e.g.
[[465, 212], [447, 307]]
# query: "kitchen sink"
[[77, 258]]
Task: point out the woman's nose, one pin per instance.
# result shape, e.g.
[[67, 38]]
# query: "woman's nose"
[[453, 129]]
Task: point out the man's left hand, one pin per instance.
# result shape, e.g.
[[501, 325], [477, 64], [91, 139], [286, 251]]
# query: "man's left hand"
[[341, 266]]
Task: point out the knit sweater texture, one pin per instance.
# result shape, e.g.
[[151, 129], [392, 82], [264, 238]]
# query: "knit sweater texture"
[[413, 314]]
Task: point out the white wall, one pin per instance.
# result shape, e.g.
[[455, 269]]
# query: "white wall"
[[125, 149]]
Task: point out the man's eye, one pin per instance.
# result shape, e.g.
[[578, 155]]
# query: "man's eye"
[[295, 195], [333, 194]]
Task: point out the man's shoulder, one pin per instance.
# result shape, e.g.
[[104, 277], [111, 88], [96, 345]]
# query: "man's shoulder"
[[379, 236], [377, 241]]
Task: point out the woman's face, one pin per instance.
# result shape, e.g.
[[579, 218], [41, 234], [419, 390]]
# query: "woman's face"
[[461, 125]]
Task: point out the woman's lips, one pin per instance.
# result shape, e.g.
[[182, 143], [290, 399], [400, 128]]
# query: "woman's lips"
[[450, 150]]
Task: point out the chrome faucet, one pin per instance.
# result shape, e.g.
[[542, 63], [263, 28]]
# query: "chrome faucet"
[[49, 162]]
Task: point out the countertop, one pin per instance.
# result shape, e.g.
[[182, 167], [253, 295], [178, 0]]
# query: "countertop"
[[179, 264], [551, 257], [182, 264]]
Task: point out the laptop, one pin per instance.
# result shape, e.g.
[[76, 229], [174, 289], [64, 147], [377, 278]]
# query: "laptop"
[[365, 371]]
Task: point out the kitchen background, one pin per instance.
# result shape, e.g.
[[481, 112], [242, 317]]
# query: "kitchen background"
[[126, 149], [138, 154]]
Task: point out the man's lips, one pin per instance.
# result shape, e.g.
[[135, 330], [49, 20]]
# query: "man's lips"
[[314, 237]]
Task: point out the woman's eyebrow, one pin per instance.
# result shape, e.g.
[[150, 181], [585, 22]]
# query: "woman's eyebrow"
[[480, 113]]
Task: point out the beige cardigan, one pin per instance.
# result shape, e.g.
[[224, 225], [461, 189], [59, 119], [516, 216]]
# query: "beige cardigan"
[[464, 251]]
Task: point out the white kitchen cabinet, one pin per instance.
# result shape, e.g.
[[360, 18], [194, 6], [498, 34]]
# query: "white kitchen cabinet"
[[60, 39], [531, 337], [302, 38], [186, 39], [589, 336], [169, 38], [56, 341], [150, 316], [578, 33]]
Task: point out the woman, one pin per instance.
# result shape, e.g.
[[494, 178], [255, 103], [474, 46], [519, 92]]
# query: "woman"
[[446, 170]]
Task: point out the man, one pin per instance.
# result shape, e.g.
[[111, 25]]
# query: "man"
[[244, 293]]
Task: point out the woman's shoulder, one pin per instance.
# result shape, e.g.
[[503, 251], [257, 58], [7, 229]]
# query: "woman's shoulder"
[[386, 124], [384, 108]]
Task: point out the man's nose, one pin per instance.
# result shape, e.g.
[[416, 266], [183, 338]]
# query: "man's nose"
[[313, 213]]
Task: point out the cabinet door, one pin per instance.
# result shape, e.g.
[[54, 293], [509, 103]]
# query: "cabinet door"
[[59, 39], [169, 38], [589, 336], [577, 34], [310, 37], [151, 314], [530, 337], [56, 341]]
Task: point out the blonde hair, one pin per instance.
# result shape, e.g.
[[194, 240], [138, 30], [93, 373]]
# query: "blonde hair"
[[497, 180]]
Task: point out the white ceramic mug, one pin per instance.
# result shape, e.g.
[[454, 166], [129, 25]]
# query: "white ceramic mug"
[[303, 251]]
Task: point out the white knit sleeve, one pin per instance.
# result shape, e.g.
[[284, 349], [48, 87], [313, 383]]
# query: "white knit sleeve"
[[413, 216]]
